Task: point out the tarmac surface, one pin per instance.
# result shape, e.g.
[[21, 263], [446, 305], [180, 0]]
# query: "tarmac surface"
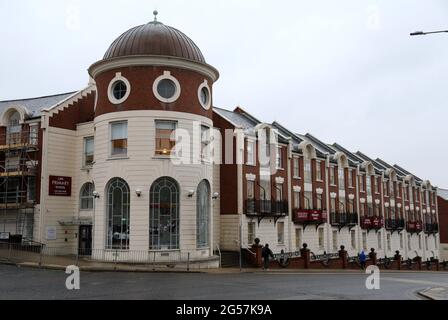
[[24, 282]]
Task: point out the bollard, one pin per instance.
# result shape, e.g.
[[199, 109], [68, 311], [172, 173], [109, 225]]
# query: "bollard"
[[188, 262]]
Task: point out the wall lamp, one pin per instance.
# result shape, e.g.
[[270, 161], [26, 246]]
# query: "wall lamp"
[[96, 194], [190, 193], [215, 195], [138, 192]]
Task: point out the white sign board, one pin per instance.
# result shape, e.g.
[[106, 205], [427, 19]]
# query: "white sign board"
[[4, 235], [51, 233]]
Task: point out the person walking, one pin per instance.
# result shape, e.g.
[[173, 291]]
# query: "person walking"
[[266, 253], [362, 259]]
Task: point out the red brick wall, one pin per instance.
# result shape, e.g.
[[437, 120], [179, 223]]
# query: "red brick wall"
[[443, 219], [228, 172], [142, 97], [79, 112]]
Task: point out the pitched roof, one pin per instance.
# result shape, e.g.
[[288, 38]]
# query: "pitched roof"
[[235, 118], [443, 193], [34, 105]]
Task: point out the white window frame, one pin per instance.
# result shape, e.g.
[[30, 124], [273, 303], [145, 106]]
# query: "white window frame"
[[281, 233], [84, 154], [250, 155], [167, 75], [110, 89], [123, 155], [209, 101]]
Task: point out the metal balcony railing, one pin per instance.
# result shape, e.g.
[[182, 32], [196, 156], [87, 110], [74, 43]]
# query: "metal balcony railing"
[[395, 224], [431, 227], [343, 219], [414, 226], [266, 207]]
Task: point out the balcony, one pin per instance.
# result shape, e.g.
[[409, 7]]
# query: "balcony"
[[309, 216], [266, 208], [344, 219], [395, 224], [414, 227], [431, 228], [372, 223]]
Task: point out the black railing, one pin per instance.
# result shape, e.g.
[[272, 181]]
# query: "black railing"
[[431, 227], [344, 219], [395, 224], [266, 207]]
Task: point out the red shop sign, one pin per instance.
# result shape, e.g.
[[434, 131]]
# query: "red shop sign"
[[60, 186]]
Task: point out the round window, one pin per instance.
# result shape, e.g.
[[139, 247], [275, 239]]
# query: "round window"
[[119, 90], [205, 96], [166, 88]]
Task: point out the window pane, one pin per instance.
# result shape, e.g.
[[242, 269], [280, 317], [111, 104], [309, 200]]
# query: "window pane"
[[166, 88], [164, 130]]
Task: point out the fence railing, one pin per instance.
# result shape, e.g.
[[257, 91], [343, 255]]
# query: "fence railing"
[[64, 256]]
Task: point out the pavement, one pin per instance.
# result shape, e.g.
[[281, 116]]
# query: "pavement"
[[435, 293]]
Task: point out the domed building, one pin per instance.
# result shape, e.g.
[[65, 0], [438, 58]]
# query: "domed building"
[[140, 166]]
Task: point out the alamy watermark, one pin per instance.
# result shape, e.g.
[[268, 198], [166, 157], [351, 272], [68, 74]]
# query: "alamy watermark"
[[73, 281], [373, 280]]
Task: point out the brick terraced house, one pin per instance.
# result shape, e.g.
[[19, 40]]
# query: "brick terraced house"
[[95, 172]]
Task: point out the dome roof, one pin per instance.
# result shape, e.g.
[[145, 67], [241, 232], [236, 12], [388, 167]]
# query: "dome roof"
[[154, 38]]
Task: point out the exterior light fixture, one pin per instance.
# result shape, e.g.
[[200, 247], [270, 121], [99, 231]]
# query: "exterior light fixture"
[[96, 194], [138, 192], [216, 195], [190, 193]]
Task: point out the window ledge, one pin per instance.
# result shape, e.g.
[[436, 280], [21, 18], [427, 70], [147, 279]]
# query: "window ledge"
[[296, 177], [319, 180], [86, 168], [251, 164], [117, 158], [161, 157]]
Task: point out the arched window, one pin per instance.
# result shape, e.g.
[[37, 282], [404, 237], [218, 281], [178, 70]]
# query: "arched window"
[[14, 128], [118, 214], [203, 214], [86, 196], [164, 215]]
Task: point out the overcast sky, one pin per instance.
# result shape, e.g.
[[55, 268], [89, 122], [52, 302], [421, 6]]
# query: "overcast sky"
[[345, 71]]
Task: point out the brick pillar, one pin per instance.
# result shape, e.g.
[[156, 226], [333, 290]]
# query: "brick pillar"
[[258, 259], [397, 258], [436, 261], [419, 262], [372, 256], [343, 257], [305, 253]]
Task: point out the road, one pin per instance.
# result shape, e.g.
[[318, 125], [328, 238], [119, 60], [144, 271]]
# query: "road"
[[29, 283]]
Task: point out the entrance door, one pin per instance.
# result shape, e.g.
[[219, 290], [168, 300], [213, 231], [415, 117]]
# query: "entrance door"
[[85, 240]]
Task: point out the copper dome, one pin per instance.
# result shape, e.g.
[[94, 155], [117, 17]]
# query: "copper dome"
[[155, 38]]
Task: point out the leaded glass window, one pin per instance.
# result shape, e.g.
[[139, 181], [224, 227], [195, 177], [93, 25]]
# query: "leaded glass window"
[[164, 215], [203, 214], [118, 214]]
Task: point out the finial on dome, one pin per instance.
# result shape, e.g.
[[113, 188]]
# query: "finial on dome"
[[155, 15]]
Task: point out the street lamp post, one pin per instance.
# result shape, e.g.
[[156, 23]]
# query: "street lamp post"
[[422, 33]]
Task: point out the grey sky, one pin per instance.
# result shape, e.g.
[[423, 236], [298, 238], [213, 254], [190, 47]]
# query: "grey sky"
[[345, 71]]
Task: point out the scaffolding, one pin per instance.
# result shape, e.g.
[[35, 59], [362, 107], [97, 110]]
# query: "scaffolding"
[[18, 169]]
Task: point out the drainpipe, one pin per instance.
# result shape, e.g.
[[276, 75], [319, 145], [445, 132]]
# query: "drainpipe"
[[44, 176], [357, 194], [327, 200]]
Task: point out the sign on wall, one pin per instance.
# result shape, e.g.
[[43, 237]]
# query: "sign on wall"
[[4, 235], [51, 233], [60, 186]]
